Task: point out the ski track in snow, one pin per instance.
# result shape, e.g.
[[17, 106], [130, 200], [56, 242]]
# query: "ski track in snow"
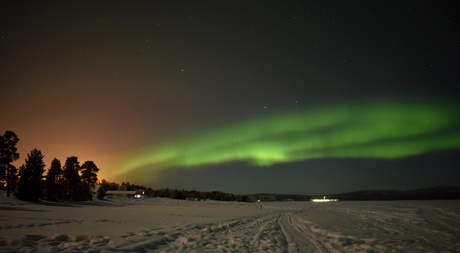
[[398, 226]]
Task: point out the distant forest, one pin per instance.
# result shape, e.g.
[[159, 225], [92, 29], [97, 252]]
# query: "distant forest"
[[73, 182], [174, 193]]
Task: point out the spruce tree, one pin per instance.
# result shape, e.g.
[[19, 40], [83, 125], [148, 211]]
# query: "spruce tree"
[[30, 186], [54, 188], [72, 179]]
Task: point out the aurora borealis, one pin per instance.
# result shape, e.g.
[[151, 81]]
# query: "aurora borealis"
[[276, 96], [383, 130]]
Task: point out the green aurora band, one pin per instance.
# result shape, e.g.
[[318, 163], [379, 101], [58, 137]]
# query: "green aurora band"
[[380, 130]]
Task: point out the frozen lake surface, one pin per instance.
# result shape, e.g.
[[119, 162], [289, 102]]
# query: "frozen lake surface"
[[165, 225]]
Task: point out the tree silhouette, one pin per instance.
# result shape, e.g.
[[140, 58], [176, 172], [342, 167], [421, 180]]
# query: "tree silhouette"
[[89, 178], [54, 181], [72, 179], [13, 177], [30, 185], [8, 155]]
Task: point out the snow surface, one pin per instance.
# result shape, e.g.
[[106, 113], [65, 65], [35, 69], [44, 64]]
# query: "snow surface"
[[165, 225]]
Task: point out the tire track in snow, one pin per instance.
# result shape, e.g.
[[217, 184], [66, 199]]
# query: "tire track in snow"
[[295, 234], [255, 234]]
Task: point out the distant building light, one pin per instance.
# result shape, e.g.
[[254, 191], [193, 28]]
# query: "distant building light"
[[324, 199]]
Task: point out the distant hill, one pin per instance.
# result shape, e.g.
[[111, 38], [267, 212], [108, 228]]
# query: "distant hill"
[[432, 193], [419, 194]]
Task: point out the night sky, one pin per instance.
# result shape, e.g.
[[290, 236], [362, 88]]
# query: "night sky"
[[306, 97]]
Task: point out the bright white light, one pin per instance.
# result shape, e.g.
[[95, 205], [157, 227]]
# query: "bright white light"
[[324, 199]]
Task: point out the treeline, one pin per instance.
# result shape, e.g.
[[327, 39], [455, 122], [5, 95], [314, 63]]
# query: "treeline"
[[198, 195], [174, 193], [73, 181], [70, 182]]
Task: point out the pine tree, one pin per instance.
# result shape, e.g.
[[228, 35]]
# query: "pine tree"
[[13, 178], [89, 178], [30, 186], [8, 155]]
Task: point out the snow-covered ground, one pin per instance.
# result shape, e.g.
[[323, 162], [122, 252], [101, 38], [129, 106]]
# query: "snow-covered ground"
[[165, 225]]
